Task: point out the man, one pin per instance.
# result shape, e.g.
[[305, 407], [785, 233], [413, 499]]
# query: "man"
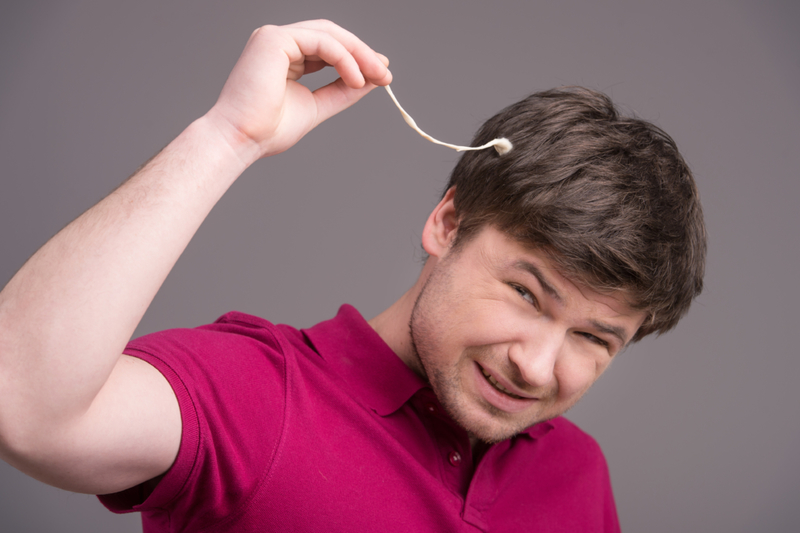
[[441, 413]]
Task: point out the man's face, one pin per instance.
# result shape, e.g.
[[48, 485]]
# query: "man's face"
[[506, 341]]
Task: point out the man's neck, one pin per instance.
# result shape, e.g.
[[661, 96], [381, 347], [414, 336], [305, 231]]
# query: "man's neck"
[[393, 324]]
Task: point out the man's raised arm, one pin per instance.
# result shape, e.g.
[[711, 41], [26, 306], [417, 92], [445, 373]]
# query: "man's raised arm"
[[73, 412]]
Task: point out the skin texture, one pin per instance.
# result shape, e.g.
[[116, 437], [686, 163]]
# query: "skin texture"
[[480, 308]]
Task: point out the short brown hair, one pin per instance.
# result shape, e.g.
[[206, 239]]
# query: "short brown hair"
[[607, 196]]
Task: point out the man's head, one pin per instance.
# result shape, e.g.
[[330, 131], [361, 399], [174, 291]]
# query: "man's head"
[[505, 340], [547, 261], [608, 197]]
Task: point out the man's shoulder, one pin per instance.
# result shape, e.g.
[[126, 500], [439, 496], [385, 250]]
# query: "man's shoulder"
[[226, 353], [232, 332], [569, 429], [568, 440], [230, 378]]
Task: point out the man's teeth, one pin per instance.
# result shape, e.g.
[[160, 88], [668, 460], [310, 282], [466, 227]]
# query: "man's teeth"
[[498, 386]]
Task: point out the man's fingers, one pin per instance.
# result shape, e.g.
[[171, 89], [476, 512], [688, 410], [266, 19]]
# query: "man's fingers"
[[258, 101], [355, 62], [383, 58], [314, 66], [321, 46], [336, 97]]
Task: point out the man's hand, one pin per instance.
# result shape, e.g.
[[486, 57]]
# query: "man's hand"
[[262, 102]]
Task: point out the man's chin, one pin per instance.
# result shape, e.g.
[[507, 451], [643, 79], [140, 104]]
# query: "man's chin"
[[494, 435], [489, 424]]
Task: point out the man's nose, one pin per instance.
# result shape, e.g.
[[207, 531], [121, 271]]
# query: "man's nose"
[[536, 357]]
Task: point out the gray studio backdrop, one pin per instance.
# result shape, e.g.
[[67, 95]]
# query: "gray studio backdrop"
[[701, 427]]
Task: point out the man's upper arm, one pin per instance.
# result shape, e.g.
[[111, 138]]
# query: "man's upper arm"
[[130, 434]]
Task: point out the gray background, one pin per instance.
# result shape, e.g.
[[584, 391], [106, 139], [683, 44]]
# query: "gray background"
[[700, 427]]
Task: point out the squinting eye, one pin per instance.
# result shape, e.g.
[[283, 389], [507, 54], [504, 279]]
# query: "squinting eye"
[[525, 294], [596, 340]]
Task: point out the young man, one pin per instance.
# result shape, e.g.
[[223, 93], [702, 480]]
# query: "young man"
[[440, 414]]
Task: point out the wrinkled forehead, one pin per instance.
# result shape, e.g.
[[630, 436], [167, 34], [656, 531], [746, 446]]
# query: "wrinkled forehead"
[[579, 274], [578, 271]]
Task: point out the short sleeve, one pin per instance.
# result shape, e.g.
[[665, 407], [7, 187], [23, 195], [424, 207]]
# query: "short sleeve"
[[230, 379]]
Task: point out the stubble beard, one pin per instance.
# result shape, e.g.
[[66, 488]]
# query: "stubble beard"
[[489, 424]]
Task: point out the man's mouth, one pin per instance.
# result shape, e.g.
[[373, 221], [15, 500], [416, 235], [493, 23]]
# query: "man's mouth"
[[499, 387]]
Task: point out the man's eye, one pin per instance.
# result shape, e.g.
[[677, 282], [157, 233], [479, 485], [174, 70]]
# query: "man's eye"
[[596, 340], [525, 293]]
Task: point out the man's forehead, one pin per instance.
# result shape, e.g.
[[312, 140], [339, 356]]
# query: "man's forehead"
[[553, 273]]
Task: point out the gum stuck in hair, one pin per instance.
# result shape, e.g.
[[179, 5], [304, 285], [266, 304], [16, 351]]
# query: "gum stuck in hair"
[[502, 145]]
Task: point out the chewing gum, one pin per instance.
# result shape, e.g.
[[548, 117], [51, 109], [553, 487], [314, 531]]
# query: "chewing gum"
[[502, 145]]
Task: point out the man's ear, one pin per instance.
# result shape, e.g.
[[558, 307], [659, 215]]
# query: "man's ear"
[[440, 229]]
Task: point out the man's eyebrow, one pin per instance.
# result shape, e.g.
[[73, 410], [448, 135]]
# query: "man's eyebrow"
[[546, 285], [602, 327], [617, 331]]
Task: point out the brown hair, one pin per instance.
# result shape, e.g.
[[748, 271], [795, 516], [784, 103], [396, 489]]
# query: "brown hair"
[[607, 196]]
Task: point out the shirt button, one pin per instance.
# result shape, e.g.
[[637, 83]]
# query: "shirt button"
[[455, 458], [431, 408]]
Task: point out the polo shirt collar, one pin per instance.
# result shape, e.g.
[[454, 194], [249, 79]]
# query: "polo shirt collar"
[[539, 430], [376, 377]]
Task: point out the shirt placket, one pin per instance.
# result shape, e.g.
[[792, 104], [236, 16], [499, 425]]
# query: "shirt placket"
[[483, 487], [451, 443]]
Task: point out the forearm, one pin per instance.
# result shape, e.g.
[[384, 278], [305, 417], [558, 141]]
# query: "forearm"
[[66, 316]]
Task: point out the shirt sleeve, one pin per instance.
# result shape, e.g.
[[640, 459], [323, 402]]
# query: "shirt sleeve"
[[230, 379]]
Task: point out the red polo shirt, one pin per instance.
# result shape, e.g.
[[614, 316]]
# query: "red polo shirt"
[[326, 429]]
